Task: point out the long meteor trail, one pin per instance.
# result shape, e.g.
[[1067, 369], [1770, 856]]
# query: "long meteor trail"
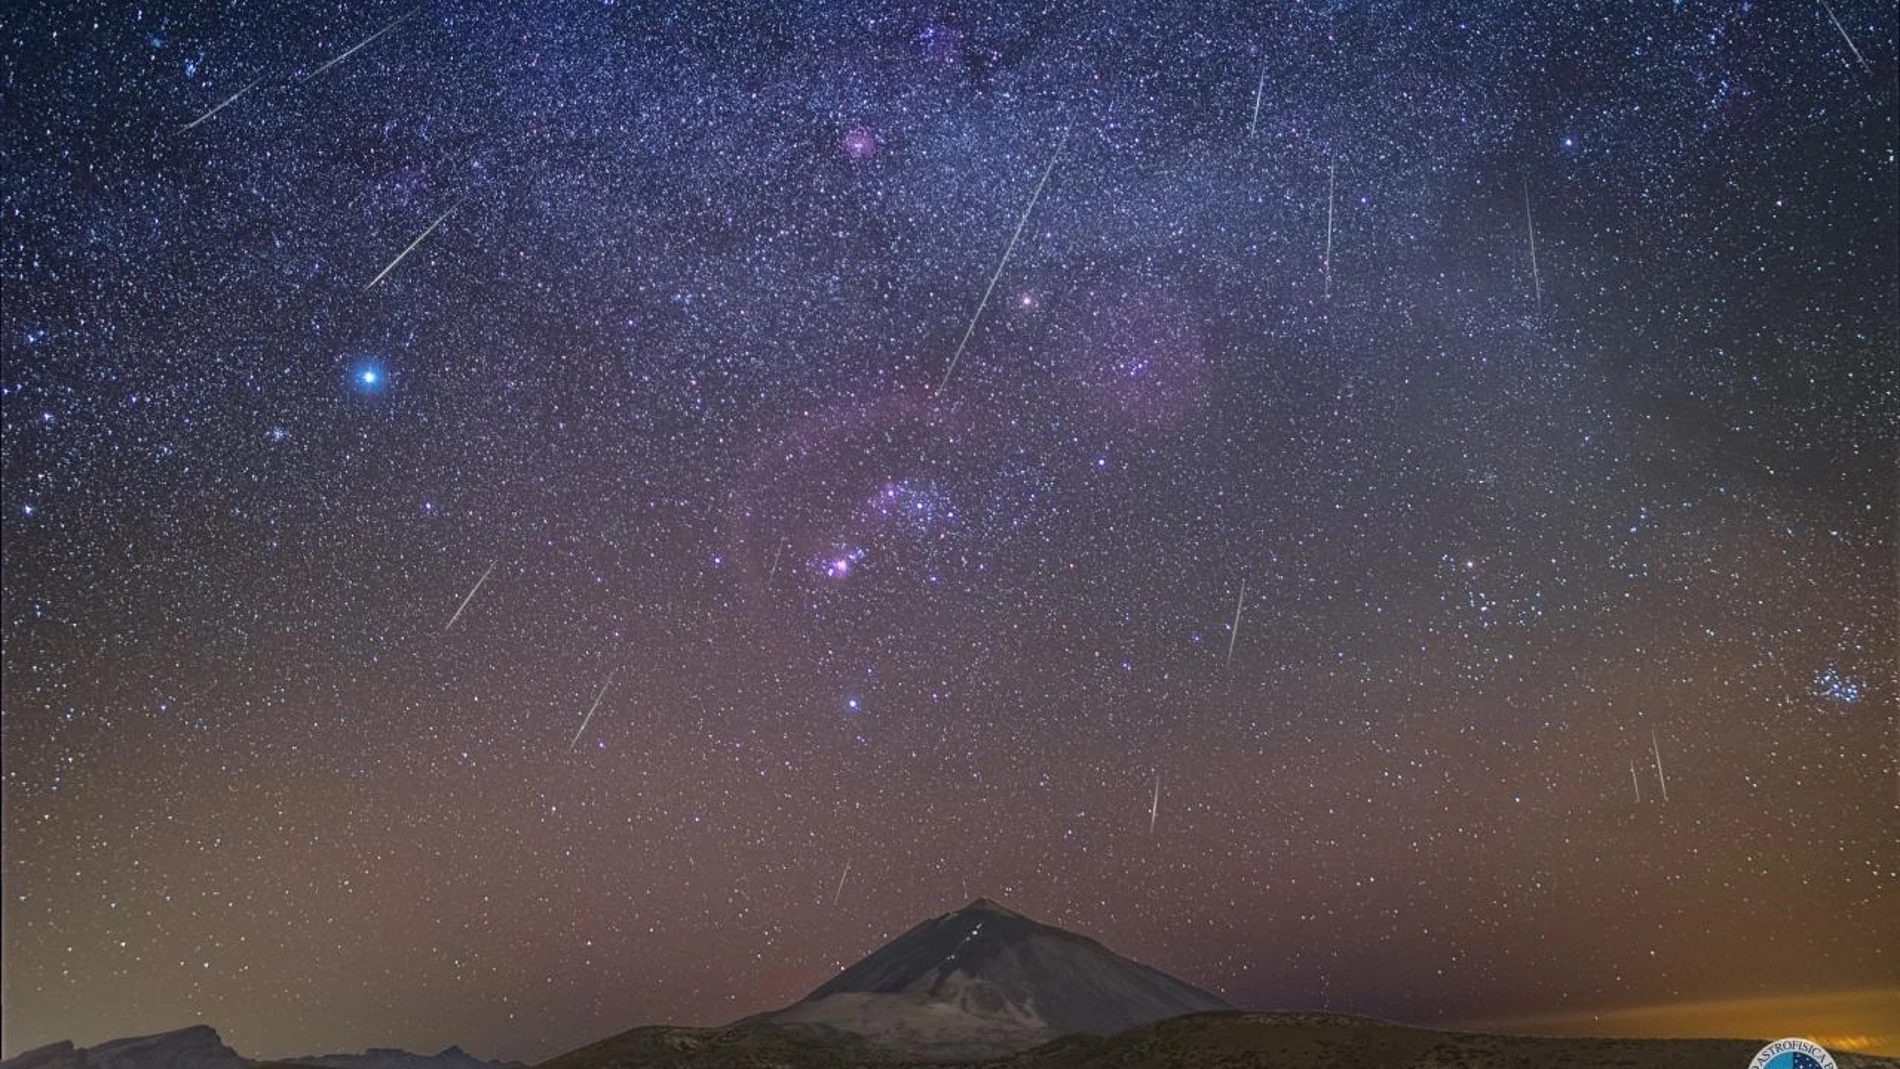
[[359, 46], [471, 597], [227, 103], [1530, 227], [1004, 262], [598, 695], [1332, 176], [1154, 807], [1862, 60], [1657, 750], [1258, 91], [1234, 632], [411, 248]]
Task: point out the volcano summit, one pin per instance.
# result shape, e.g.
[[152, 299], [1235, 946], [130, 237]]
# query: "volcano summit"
[[984, 981]]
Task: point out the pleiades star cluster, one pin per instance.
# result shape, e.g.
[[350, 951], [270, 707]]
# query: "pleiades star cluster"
[[527, 519]]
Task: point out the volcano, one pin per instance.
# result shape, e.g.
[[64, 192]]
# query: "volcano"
[[985, 981]]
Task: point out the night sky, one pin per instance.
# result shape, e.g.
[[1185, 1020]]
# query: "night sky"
[[1526, 381]]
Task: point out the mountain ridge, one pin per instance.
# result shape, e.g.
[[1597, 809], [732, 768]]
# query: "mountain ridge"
[[986, 981], [199, 1046]]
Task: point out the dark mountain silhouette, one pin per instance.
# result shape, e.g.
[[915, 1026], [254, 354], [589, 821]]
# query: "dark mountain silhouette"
[[988, 988], [394, 1058], [1233, 1039], [982, 982], [199, 1047], [985, 981]]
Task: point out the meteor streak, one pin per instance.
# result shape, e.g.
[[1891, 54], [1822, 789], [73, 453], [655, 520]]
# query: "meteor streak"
[[1234, 632], [1254, 127], [590, 709], [1530, 225], [227, 103], [411, 248], [1862, 60], [364, 43], [1332, 176], [1657, 750], [1004, 262], [466, 600]]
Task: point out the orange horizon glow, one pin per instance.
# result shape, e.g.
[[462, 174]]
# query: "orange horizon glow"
[[1857, 1022]]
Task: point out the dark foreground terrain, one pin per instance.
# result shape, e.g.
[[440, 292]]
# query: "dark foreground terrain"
[[1226, 1040]]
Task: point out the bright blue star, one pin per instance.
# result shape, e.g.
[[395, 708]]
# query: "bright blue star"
[[368, 378], [1832, 685]]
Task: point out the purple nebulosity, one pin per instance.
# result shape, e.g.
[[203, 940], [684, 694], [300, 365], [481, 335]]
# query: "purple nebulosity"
[[840, 562], [1370, 422], [860, 143]]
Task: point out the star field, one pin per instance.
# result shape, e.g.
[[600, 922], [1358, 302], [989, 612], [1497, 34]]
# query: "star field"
[[492, 529]]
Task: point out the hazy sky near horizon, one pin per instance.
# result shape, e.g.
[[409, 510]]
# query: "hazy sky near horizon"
[[575, 515]]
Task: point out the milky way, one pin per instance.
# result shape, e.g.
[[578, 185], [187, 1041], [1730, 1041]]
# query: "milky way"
[[620, 337]]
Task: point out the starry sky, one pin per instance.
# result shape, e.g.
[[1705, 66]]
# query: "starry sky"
[[523, 520]]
